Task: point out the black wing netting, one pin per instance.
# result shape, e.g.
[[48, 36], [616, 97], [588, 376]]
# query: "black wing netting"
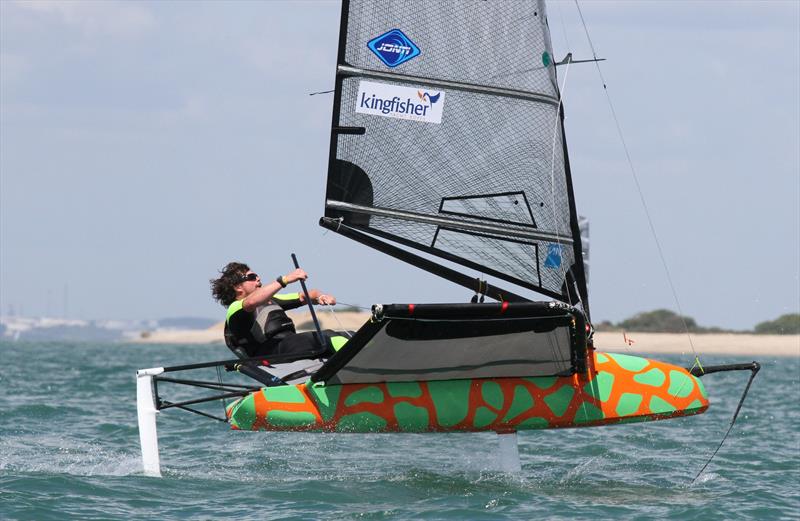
[[460, 109]]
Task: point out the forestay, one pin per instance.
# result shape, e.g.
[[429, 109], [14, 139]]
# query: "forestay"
[[447, 137]]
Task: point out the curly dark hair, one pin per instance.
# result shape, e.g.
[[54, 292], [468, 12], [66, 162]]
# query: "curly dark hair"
[[223, 288]]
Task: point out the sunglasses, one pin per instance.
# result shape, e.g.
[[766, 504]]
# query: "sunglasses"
[[250, 276]]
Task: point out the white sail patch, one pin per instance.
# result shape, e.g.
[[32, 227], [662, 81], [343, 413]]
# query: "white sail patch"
[[395, 101]]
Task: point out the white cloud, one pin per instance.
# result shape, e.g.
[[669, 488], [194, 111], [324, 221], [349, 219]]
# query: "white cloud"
[[109, 17]]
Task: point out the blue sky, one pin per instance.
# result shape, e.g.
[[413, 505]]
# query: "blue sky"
[[145, 144]]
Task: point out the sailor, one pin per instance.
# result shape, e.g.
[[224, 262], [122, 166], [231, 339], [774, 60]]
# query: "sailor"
[[256, 323]]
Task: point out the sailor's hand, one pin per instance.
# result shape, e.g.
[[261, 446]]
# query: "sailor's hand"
[[296, 275], [326, 300]]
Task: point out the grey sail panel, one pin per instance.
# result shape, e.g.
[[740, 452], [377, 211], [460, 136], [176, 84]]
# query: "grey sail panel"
[[396, 356], [429, 342], [495, 43], [461, 137]]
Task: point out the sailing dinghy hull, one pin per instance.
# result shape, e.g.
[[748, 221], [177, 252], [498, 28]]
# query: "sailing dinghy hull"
[[617, 388]]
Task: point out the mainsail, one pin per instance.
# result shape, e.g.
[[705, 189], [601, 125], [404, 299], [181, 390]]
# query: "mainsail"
[[447, 138]]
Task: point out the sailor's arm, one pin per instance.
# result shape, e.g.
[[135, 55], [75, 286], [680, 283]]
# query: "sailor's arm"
[[263, 294]]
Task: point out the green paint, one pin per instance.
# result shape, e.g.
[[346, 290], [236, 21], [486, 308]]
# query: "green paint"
[[243, 413], [284, 393], [630, 363], [411, 418], [680, 384], [521, 402], [493, 394], [533, 423], [483, 417], [338, 342], [600, 387], [233, 308], [404, 389], [659, 406], [543, 382], [291, 419], [559, 400], [654, 377], [601, 358], [286, 296], [450, 398], [326, 398], [628, 404], [546, 60], [371, 394], [701, 387], [361, 422], [696, 404], [588, 412]]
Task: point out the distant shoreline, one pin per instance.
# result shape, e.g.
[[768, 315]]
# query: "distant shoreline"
[[743, 344], [740, 344]]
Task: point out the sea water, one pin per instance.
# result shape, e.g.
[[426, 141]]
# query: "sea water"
[[69, 449]]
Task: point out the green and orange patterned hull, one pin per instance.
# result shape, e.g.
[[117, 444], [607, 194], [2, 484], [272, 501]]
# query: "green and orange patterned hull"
[[617, 388]]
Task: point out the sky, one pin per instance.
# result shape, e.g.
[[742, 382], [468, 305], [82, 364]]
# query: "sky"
[[143, 145]]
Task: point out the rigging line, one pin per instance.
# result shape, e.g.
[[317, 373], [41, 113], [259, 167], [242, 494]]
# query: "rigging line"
[[341, 327], [553, 171], [753, 371], [636, 182], [686, 382], [339, 302], [563, 26], [224, 400]]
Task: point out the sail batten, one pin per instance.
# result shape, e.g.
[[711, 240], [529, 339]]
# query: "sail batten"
[[509, 229], [462, 153], [434, 82]]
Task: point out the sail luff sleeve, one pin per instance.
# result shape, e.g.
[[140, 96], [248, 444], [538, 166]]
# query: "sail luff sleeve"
[[462, 151], [579, 269]]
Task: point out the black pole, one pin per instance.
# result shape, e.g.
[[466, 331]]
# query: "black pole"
[[700, 371], [310, 305]]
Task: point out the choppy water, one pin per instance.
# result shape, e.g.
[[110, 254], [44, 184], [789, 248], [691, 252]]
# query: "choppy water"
[[69, 449]]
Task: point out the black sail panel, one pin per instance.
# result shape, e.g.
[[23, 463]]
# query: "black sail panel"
[[448, 138]]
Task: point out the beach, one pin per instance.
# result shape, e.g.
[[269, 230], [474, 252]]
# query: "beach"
[[740, 344]]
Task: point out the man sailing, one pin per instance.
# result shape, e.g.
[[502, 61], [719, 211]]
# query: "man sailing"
[[256, 323]]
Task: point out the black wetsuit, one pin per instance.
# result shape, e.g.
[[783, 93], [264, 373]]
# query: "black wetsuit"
[[269, 331]]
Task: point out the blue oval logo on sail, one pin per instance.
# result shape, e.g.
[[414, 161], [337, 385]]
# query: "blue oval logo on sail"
[[393, 48]]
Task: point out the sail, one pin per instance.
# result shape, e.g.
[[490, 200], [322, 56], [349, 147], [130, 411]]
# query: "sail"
[[447, 138]]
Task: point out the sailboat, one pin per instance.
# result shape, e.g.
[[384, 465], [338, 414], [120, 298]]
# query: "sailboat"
[[448, 152]]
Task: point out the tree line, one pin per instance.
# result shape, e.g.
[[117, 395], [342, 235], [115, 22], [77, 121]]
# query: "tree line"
[[666, 321]]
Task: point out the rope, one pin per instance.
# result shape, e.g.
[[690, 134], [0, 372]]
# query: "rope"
[[753, 373], [636, 182], [341, 327], [563, 26], [352, 306]]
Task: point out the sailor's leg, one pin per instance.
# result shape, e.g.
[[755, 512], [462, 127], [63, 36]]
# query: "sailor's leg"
[[303, 345]]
